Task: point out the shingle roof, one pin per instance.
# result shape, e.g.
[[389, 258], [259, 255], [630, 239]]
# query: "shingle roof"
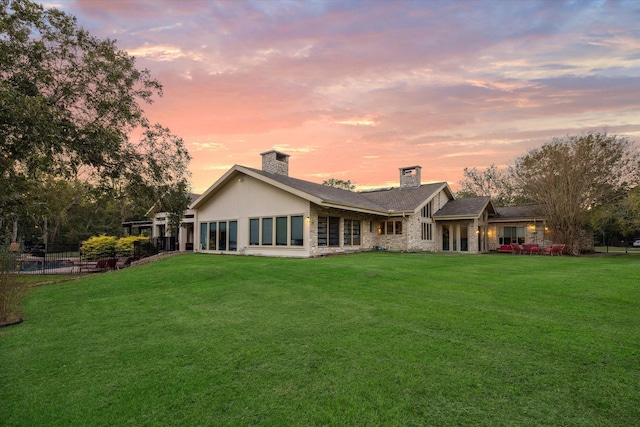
[[466, 207], [324, 192], [404, 199], [518, 212], [389, 200]]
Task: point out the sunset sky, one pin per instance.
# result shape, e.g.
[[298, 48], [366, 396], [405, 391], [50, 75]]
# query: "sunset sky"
[[355, 90]]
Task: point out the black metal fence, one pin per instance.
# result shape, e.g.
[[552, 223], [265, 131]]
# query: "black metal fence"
[[69, 259], [55, 259]]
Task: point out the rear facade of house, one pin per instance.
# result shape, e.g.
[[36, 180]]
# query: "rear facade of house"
[[266, 212]]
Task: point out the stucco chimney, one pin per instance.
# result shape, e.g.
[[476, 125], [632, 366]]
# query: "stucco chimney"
[[275, 162], [410, 177]]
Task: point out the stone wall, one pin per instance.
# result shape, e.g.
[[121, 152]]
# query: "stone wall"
[[275, 162]]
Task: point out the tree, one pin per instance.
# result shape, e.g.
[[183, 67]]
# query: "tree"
[[570, 175], [339, 183], [493, 182], [68, 105], [619, 218]]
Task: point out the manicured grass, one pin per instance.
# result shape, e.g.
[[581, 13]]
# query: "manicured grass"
[[367, 339]]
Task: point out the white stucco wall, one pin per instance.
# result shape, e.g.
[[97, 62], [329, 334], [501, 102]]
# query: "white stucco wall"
[[245, 197]]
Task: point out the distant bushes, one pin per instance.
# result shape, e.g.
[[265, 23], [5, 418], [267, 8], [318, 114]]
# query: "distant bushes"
[[102, 246]]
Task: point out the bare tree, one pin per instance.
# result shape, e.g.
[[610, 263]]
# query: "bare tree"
[[493, 182], [570, 175]]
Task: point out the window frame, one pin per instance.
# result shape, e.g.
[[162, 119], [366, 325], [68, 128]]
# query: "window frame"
[[277, 231]]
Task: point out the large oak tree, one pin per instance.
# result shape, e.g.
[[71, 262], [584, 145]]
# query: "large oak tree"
[[69, 103], [569, 176]]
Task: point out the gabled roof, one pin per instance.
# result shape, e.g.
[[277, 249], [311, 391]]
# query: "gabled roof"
[[406, 199], [468, 207], [383, 202]]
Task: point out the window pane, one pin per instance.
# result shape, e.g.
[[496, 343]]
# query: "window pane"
[[334, 231], [254, 231], [355, 232], [212, 236], [203, 235], [233, 235], [222, 236], [322, 231], [267, 231], [381, 228], [281, 231], [297, 231], [398, 227], [389, 227], [347, 232]]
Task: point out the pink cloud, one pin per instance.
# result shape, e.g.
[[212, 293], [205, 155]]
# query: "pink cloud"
[[356, 90]]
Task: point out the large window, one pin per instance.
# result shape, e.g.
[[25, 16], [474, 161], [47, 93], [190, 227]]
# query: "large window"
[[328, 231], [508, 235], [267, 231], [222, 236], [203, 235], [219, 235], [254, 231], [390, 227], [297, 231], [233, 235], [212, 235], [351, 232], [281, 231], [427, 231]]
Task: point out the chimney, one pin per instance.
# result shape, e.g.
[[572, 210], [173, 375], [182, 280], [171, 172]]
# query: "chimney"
[[275, 162], [410, 177]]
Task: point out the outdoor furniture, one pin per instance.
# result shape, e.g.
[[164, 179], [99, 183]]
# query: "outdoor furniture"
[[516, 249], [530, 248], [555, 249], [504, 248]]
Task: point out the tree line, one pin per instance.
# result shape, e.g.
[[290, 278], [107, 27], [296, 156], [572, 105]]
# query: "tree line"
[[78, 156]]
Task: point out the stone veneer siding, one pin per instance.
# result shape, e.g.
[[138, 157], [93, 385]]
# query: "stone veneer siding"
[[275, 162], [532, 234], [367, 241]]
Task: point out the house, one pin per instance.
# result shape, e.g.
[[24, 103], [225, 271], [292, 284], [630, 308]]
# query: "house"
[[266, 212]]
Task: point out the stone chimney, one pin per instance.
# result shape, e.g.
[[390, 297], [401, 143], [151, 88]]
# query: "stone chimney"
[[275, 162], [410, 177]]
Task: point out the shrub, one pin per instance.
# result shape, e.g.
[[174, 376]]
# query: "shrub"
[[12, 293], [124, 246], [98, 247]]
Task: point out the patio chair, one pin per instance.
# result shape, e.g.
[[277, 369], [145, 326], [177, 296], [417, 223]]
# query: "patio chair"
[[554, 249], [526, 248], [102, 264], [123, 262]]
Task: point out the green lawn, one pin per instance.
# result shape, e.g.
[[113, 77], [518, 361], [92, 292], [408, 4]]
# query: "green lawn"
[[368, 339]]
